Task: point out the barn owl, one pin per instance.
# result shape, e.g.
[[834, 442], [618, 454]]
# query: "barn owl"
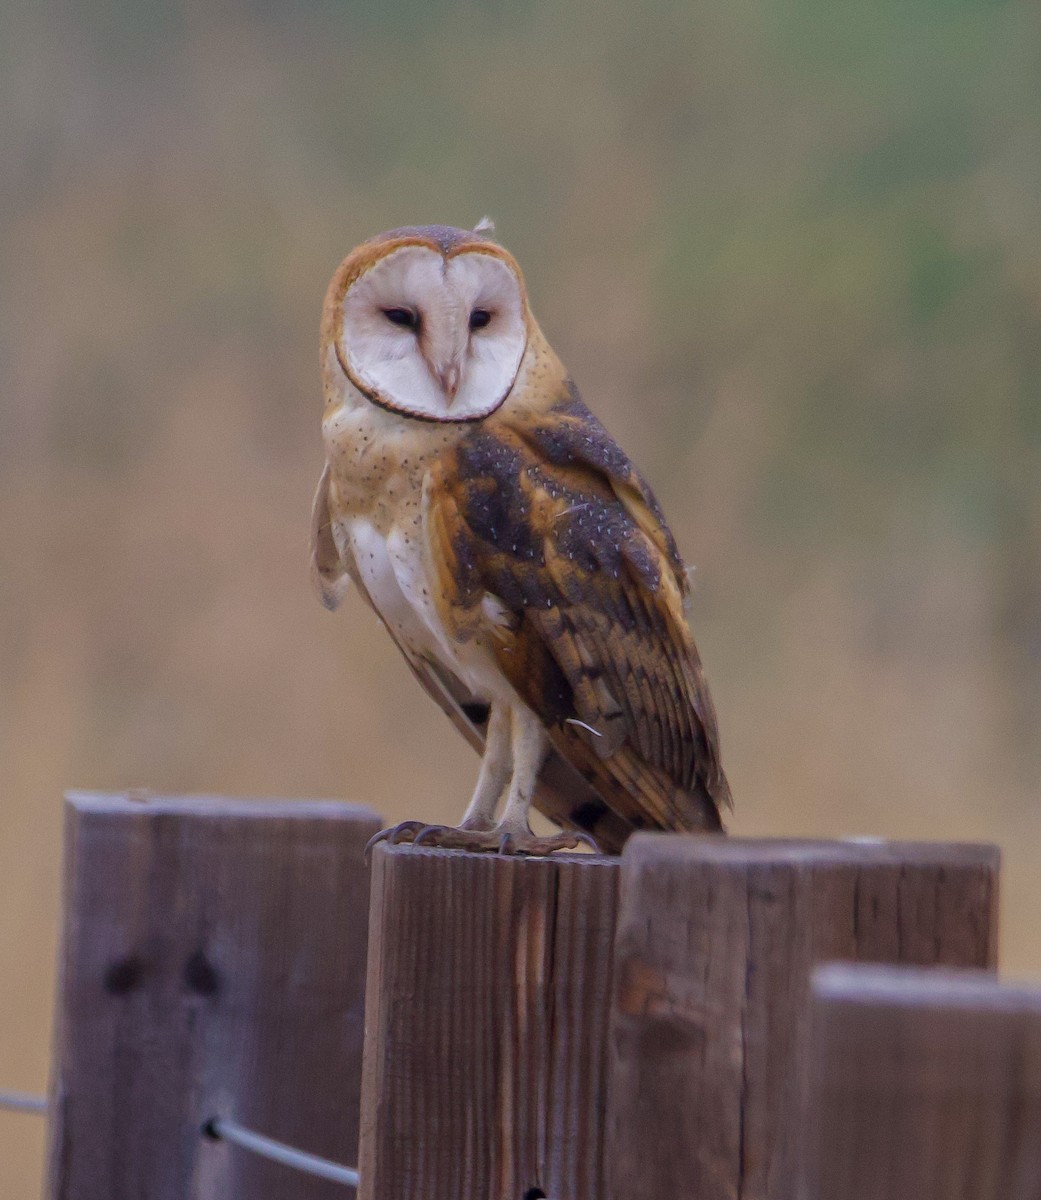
[[512, 551]]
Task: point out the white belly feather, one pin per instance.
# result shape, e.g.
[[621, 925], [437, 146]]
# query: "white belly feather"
[[394, 572]]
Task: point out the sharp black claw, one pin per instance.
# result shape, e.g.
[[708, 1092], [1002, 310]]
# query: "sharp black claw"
[[395, 835], [424, 833], [587, 839], [373, 841]]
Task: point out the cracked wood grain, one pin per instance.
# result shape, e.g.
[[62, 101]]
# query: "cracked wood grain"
[[486, 1017], [710, 1016], [212, 964]]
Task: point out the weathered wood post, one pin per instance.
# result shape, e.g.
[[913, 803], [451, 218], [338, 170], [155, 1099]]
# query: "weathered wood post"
[[923, 1085], [212, 965], [486, 1016], [710, 1018]]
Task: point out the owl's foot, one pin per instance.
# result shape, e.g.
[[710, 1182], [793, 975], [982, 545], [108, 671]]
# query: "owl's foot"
[[501, 839], [495, 839], [395, 835]]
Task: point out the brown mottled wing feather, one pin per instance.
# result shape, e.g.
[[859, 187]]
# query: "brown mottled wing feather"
[[548, 515]]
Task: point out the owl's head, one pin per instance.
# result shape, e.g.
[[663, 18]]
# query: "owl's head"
[[429, 322]]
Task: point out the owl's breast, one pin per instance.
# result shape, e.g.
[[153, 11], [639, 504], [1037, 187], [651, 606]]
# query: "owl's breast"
[[390, 566], [394, 571], [376, 471], [378, 460], [378, 465]]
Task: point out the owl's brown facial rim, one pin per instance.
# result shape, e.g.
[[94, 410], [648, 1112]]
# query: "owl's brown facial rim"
[[434, 336]]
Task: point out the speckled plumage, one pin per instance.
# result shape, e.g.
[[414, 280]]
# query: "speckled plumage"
[[521, 562]]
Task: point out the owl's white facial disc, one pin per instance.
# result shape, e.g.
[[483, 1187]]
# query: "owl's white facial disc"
[[434, 338]]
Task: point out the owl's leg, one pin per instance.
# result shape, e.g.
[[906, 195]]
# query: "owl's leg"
[[494, 774], [530, 746], [515, 749], [478, 830]]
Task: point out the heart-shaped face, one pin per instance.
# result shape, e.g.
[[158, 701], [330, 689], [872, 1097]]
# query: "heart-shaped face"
[[434, 336]]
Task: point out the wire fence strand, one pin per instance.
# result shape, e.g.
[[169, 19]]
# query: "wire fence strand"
[[23, 1102], [230, 1131], [221, 1129]]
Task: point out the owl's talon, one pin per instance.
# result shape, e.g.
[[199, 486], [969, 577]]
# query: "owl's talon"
[[374, 841], [587, 839], [407, 831], [424, 835], [394, 835]]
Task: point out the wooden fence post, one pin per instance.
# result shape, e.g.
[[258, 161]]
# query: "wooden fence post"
[[212, 965], [485, 1026], [716, 941], [923, 1085]]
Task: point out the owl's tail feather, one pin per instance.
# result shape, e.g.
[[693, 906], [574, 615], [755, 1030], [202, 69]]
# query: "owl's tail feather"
[[615, 797]]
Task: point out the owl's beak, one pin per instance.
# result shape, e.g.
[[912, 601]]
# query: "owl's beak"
[[449, 379]]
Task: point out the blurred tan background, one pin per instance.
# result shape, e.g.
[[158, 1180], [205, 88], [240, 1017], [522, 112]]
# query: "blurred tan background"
[[791, 253]]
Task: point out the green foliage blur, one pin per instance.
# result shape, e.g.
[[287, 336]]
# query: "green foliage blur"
[[791, 253]]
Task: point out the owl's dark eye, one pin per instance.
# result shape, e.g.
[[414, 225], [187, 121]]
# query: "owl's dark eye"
[[479, 318], [406, 317]]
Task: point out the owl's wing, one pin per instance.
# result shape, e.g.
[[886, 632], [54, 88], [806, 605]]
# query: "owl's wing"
[[329, 573], [545, 539]]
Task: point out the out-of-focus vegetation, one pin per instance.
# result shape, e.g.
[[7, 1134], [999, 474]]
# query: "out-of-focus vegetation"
[[791, 253]]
